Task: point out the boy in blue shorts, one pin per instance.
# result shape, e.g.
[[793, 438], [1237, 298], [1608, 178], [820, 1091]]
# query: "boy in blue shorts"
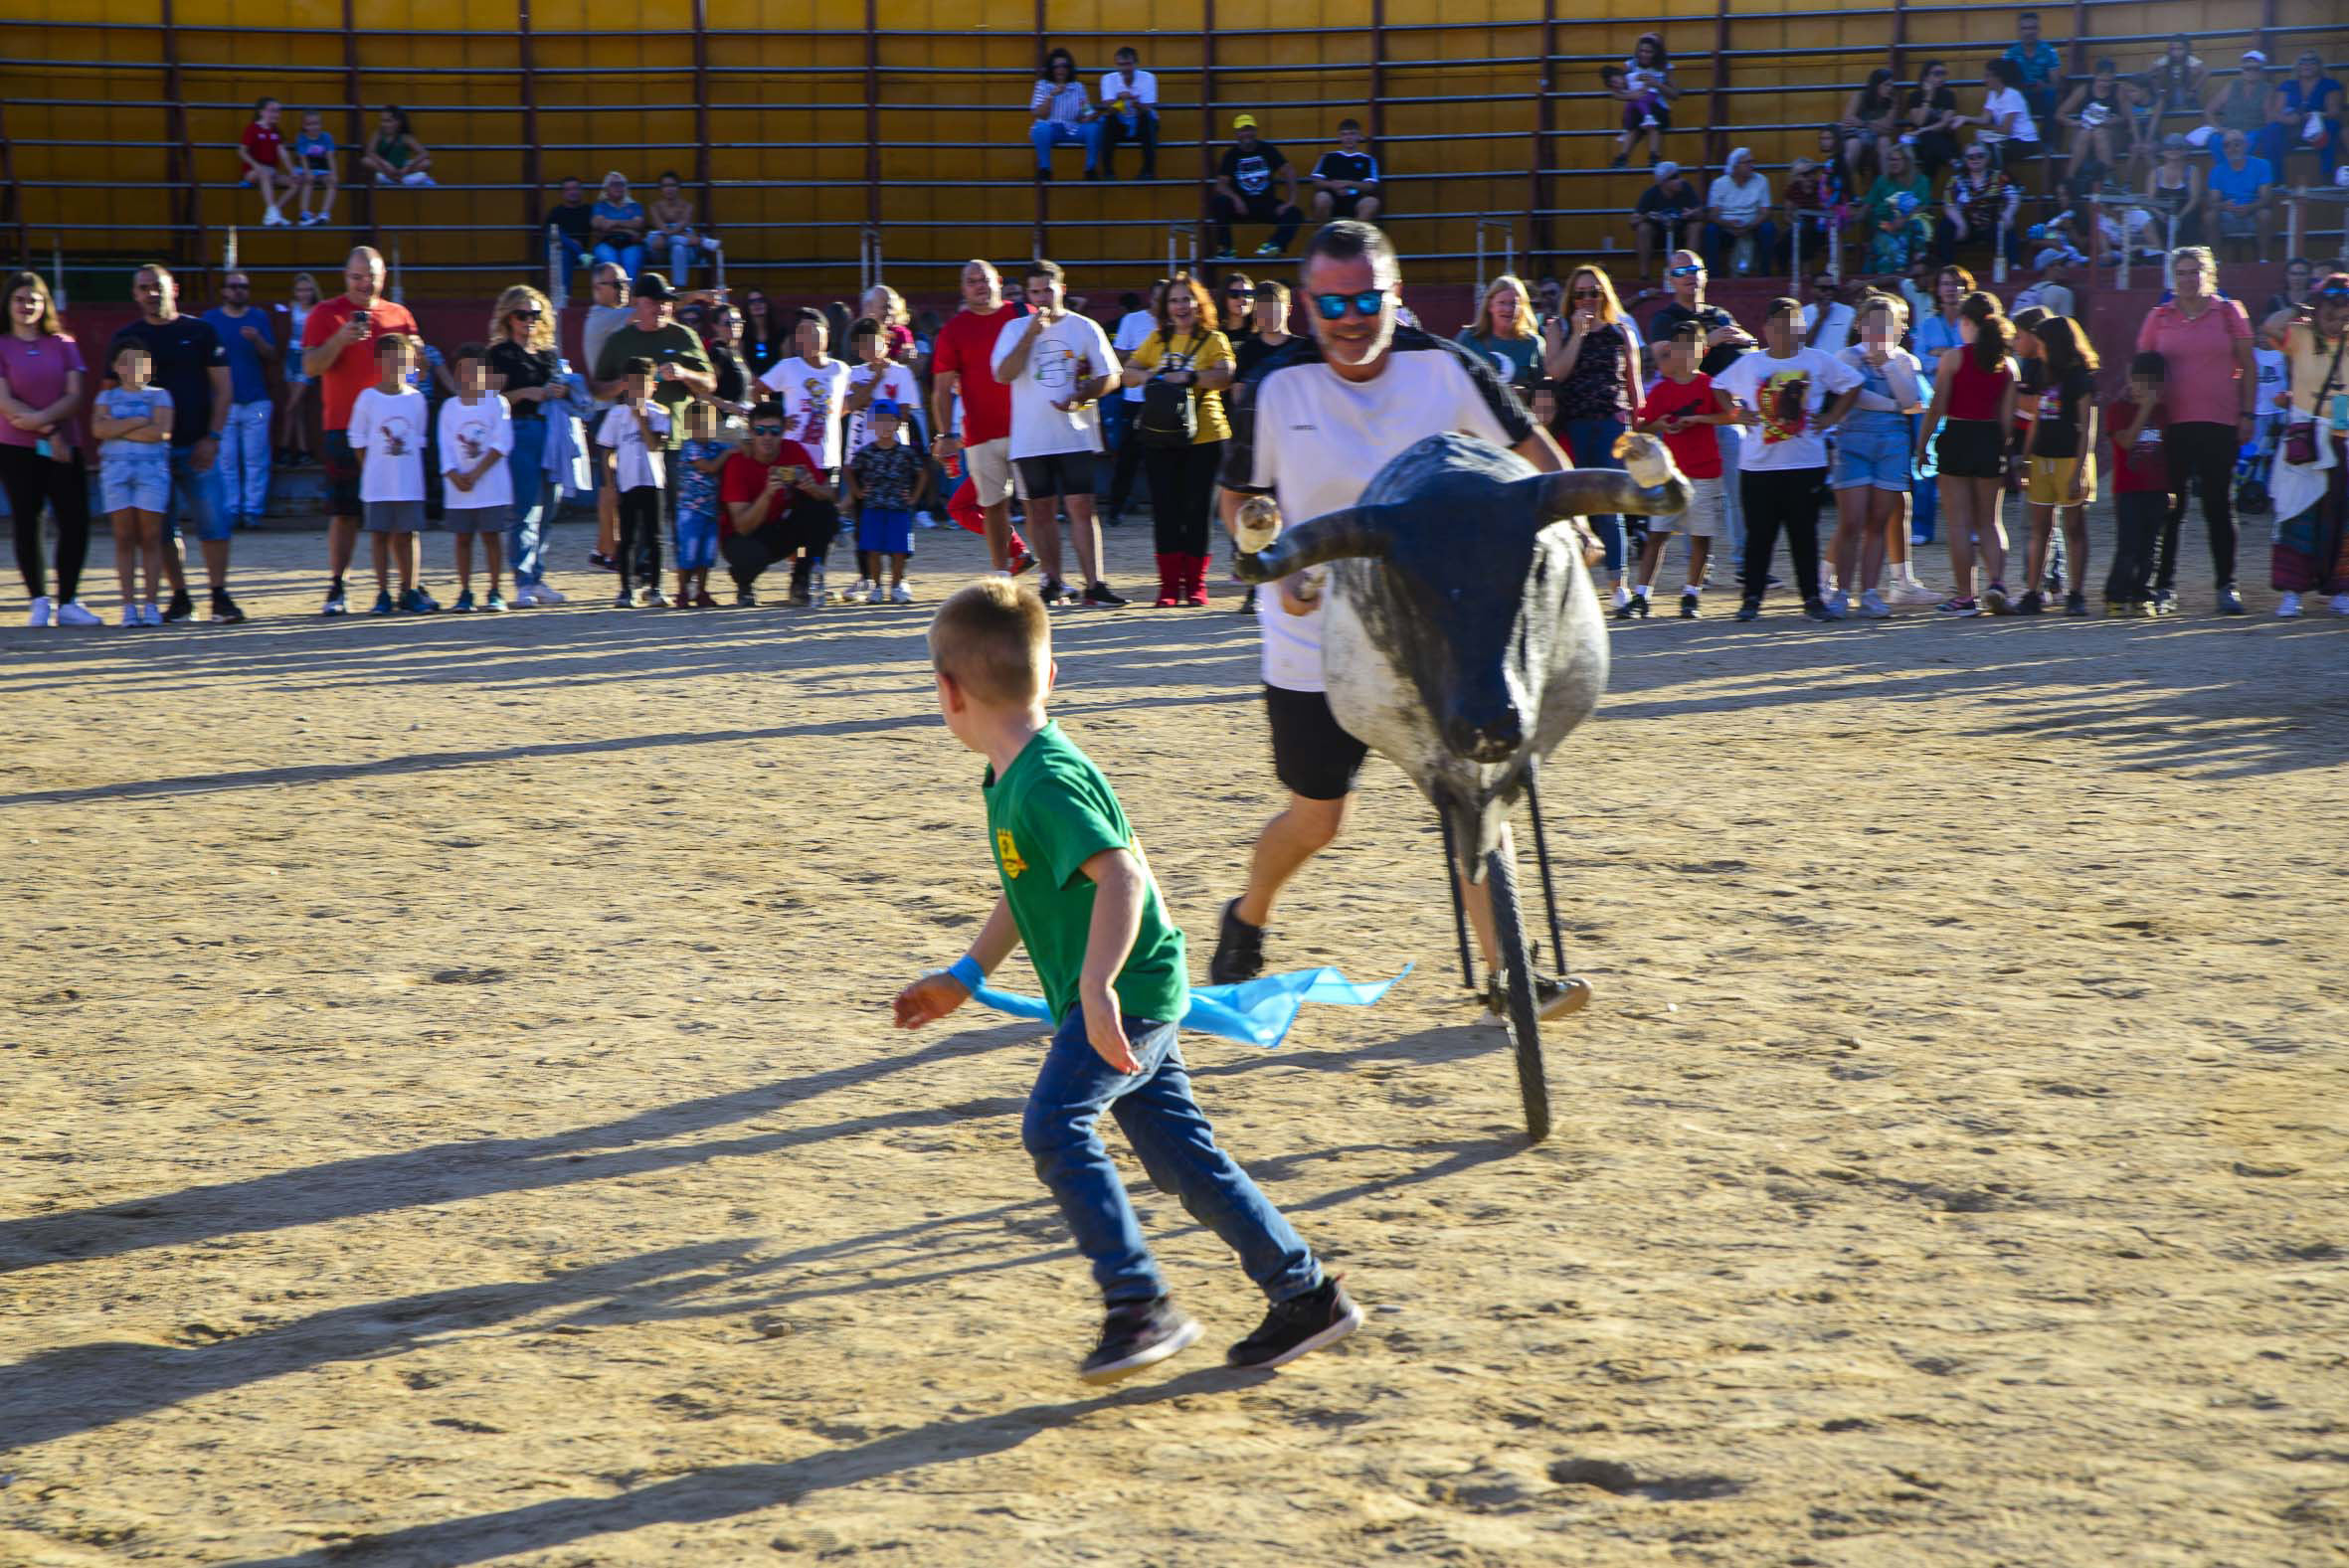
[[887, 480], [700, 461], [1079, 895]]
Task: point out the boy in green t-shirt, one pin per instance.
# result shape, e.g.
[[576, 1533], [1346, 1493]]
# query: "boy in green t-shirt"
[[1078, 893]]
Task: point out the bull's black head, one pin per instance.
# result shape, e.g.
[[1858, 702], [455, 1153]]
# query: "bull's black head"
[[1472, 598]]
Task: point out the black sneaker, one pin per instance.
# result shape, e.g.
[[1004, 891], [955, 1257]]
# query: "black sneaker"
[[2031, 603], [1815, 609], [1321, 1316], [2076, 604], [602, 561], [2165, 602], [1750, 610], [1553, 997], [180, 607], [1137, 1334], [224, 610], [745, 599], [1053, 591], [1239, 950], [1247, 604], [1101, 595], [1628, 610], [1688, 608], [2230, 601]]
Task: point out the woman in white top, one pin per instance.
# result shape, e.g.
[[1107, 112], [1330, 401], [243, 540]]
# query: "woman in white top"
[[2006, 115], [1063, 113]]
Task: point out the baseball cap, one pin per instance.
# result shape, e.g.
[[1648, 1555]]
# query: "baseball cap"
[[652, 286], [1243, 122], [888, 406], [2252, 56], [1666, 170]]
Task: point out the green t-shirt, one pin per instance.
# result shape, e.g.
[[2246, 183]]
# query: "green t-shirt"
[[673, 341], [1049, 814]]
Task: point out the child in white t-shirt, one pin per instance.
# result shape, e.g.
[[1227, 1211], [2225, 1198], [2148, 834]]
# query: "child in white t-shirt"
[[387, 435], [636, 429], [476, 489]]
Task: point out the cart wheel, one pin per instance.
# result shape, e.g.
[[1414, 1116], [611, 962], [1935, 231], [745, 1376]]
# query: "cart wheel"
[[1524, 1024]]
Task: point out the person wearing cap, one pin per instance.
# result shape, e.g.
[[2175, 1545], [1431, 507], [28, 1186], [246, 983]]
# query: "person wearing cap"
[[1668, 214], [1243, 190], [681, 369], [1738, 205], [1345, 179], [2239, 196], [2237, 102]]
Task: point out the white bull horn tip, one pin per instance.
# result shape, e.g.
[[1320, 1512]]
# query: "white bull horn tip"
[[1257, 525], [1647, 461]]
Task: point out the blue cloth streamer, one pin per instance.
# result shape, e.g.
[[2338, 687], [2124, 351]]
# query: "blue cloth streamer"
[[1260, 1011]]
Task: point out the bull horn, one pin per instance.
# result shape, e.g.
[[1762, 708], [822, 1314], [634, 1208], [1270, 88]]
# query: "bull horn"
[[1353, 531], [1653, 488]]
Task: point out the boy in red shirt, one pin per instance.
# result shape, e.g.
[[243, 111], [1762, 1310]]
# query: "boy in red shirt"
[[261, 149], [1684, 409], [2140, 486]]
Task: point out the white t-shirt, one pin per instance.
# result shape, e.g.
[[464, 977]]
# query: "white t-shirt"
[[1315, 441], [1142, 88], [899, 387], [2007, 101], [389, 427], [812, 398], [1038, 429], [636, 464], [1838, 333], [468, 431], [1739, 201], [2271, 379], [1788, 392], [1133, 329]]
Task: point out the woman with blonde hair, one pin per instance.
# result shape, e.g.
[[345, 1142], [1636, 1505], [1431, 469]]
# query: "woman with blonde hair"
[[1504, 332], [1589, 354], [523, 365]]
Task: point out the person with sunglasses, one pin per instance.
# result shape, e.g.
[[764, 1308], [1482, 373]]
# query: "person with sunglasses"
[[774, 504], [1310, 427], [245, 440], [1725, 342], [1243, 190], [1977, 208], [525, 369], [1592, 363]]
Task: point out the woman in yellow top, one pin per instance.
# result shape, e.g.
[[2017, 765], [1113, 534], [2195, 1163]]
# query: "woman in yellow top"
[[1185, 351]]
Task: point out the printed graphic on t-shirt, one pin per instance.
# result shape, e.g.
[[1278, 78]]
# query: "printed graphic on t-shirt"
[[391, 436], [1784, 415], [1252, 174], [1008, 853], [473, 439], [815, 414], [1053, 363]]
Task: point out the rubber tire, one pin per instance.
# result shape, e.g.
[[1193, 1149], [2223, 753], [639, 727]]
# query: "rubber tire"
[[1523, 1020]]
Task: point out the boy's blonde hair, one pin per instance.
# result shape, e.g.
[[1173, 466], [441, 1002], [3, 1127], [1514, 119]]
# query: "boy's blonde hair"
[[995, 638]]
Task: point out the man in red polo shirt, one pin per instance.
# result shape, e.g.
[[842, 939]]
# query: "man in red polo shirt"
[[339, 352], [776, 506], [263, 150], [963, 361]]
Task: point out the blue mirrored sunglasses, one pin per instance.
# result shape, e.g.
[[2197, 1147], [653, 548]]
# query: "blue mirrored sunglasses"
[[1683, 272], [1333, 306]]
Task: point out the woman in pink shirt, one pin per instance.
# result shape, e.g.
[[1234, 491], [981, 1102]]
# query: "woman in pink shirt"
[[40, 459], [2213, 382]]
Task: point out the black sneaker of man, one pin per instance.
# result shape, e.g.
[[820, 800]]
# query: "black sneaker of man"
[[744, 599], [1815, 609], [1297, 1326], [2031, 603], [337, 603], [1099, 594], [224, 610], [1137, 1334], [180, 607], [1553, 997], [1239, 950], [2230, 601], [1247, 604], [1750, 610], [1688, 608]]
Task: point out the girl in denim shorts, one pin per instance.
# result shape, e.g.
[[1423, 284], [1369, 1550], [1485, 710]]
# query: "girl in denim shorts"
[[1872, 453], [133, 423]]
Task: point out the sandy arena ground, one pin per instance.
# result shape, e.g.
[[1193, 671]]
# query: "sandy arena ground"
[[452, 1114]]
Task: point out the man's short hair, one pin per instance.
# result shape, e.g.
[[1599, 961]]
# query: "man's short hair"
[[2026, 15], [1784, 304], [1347, 239], [1041, 267], [1126, 52], [769, 409], [159, 269], [865, 327], [995, 639], [638, 366], [1350, 125], [1688, 332], [807, 314], [261, 104], [389, 342], [2150, 363], [466, 351], [1273, 286], [1130, 301], [671, 174], [571, 179]]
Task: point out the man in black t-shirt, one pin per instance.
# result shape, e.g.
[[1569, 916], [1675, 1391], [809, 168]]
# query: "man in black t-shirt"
[[1245, 190], [191, 364], [1669, 213], [1346, 180], [1725, 343], [573, 218]]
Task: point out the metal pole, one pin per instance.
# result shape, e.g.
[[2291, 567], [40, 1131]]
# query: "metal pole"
[[533, 172], [872, 115], [2120, 271], [1998, 261], [1377, 75], [1794, 253], [1557, 940], [57, 269], [2295, 219], [362, 189], [229, 255], [1459, 909], [1544, 121], [399, 291], [558, 277]]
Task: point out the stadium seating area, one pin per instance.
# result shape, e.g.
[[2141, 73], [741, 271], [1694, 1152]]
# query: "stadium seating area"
[[809, 133]]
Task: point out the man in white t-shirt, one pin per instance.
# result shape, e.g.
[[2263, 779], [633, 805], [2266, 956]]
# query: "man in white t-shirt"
[[1827, 320], [814, 388], [1311, 426], [1130, 112], [1791, 396], [1118, 413], [1059, 365], [1737, 207]]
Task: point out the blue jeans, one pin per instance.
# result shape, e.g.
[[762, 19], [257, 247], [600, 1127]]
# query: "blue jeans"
[[1591, 443], [245, 459], [203, 496], [681, 253], [525, 539], [629, 259], [1732, 501], [573, 253], [1166, 1128], [1050, 133], [1721, 248]]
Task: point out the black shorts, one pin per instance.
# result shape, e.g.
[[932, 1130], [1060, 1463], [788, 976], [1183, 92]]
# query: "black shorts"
[[1971, 449], [1312, 754], [342, 476], [1060, 473], [1342, 206]]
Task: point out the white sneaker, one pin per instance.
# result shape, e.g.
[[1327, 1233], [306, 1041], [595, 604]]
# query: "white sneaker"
[[44, 611], [2339, 605], [1622, 596], [2287, 607], [273, 218], [73, 613], [877, 594], [901, 595], [548, 595], [1873, 605], [130, 615], [524, 597], [862, 592], [1910, 592], [418, 178], [924, 520]]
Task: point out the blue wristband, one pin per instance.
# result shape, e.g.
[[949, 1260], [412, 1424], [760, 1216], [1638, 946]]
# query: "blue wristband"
[[966, 969]]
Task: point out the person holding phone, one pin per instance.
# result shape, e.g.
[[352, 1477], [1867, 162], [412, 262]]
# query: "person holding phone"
[[774, 504], [339, 352]]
